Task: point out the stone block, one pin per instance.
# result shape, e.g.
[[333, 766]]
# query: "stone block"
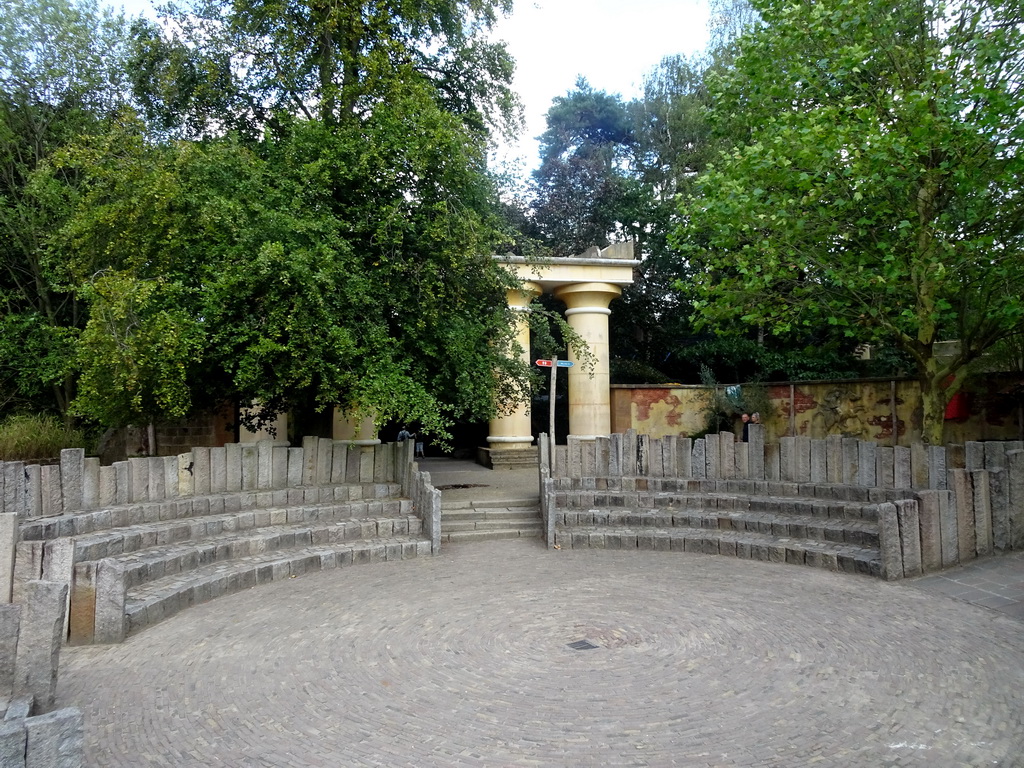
[[138, 477], [82, 608], [995, 454], [10, 622], [55, 740], [72, 478], [787, 459], [186, 477], [698, 462], [13, 739], [999, 504], [32, 488], [866, 460], [339, 462], [713, 456], [201, 469], [930, 517], [233, 467], [324, 461], [889, 542], [727, 455], [742, 460], [851, 461], [250, 466], [14, 488], [910, 535], [919, 468], [39, 642], [110, 602], [834, 459], [296, 462], [218, 470], [937, 470], [960, 483], [8, 544], [157, 479], [974, 455], [982, 503], [1015, 466], [50, 492], [366, 463], [884, 460], [755, 451], [309, 459], [802, 451], [819, 461], [171, 482]]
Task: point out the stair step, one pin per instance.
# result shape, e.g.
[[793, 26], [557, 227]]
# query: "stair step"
[[490, 514], [526, 502], [488, 535], [152, 602], [743, 544]]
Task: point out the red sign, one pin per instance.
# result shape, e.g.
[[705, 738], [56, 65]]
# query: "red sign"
[[544, 363]]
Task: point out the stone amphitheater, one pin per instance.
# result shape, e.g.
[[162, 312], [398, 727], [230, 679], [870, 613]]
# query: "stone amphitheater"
[[536, 632]]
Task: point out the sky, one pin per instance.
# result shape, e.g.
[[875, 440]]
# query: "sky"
[[612, 43]]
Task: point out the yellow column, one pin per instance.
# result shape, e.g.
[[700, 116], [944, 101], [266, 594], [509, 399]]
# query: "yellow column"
[[280, 427], [357, 431], [589, 393], [513, 430]]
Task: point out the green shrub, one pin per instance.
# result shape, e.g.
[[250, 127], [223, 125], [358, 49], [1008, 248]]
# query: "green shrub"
[[36, 437]]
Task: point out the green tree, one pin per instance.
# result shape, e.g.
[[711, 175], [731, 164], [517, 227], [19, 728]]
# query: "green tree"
[[880, 190], [61, 66]]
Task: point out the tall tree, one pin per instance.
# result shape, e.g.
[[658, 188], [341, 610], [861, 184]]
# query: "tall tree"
[[879, 192], [61, 71]]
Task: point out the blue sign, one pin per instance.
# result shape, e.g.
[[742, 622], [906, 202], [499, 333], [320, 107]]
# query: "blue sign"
[[564, 363]]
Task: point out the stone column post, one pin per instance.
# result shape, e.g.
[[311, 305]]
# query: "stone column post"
[[589, 397], [279, 426], [354, 430], [513, 430]]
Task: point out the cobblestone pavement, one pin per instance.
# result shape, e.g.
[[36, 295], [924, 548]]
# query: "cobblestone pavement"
[[465, 660], [995, 582]]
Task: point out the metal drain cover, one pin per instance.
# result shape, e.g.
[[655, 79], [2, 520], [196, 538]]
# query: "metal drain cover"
[[456, 486], [582, 645]]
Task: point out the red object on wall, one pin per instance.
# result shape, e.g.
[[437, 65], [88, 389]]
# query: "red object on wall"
[[958, 407]]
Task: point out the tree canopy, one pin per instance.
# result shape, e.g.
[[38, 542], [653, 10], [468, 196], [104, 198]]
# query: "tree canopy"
[[879, 190]]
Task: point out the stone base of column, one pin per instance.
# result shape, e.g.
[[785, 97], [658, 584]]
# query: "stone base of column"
[[497, 456]]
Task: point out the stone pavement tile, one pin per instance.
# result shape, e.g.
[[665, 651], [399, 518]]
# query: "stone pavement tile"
[[465, 659]]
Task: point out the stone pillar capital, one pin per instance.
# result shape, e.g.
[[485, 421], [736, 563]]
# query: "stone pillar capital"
[[588, 297]]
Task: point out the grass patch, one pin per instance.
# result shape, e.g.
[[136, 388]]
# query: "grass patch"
[[36, 437]]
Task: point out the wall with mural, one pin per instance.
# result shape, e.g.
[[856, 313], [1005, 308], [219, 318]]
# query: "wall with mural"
[[868, 409]]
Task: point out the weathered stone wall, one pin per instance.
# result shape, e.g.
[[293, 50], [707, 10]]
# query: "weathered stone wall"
[[866, 409]]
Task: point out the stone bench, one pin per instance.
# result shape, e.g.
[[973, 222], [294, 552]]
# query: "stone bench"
[[131, 565], [839, 527]]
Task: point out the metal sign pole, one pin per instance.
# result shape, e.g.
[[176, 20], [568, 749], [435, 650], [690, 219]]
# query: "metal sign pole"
[[551, 414]]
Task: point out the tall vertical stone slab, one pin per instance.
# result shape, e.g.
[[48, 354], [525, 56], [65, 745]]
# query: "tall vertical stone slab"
[[233, 466], [10, 621], [963, 498], [309, 459], [365, 464], [819, 461], [250, 466], [82, 608], [999, 503], [201, 483], [218, 470], [851, 460], [91, 483], [630, 454], [72, 478], [265, 465], [755, 451], [186, 475], [974, 455], [995, 454], [787, 459], [884, 459], [866, 458], [772, 462], [698, 464], [948, 530], [902, 477], [108, 486], [39, 642], [13, 743], [834, 459], [279, 467], [28, 566], [742, 459], [170, 465], [380, 462], [122, 482], [937, 470], [920, 471], [956, 457], [297, 461], [157, 479], [325, 461], [713, 456], [802, 451], [139, 478], [32, 490], [602, 447], [52, 498], [14, 486], [339, 462], [889, 542], [615, 455], [910, 536], [8, 542], [930, 518], [111, 594], [982, 503], [1015, 481], [55, 740], [727, 455]]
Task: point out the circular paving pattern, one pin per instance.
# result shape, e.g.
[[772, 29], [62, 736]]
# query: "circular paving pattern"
[[467, 659]]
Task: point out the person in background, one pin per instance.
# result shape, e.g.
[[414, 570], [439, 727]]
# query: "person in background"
[[745, 418]]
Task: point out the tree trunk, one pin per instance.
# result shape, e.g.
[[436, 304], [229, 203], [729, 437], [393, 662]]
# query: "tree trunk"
[[933, 411]]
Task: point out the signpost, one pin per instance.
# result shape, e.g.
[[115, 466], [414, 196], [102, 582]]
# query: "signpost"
[[554, 364]]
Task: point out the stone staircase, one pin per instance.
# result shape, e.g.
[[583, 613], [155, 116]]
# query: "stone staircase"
[[497, 519]]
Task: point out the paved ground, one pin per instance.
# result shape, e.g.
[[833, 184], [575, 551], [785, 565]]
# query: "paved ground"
[[465, 660]]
